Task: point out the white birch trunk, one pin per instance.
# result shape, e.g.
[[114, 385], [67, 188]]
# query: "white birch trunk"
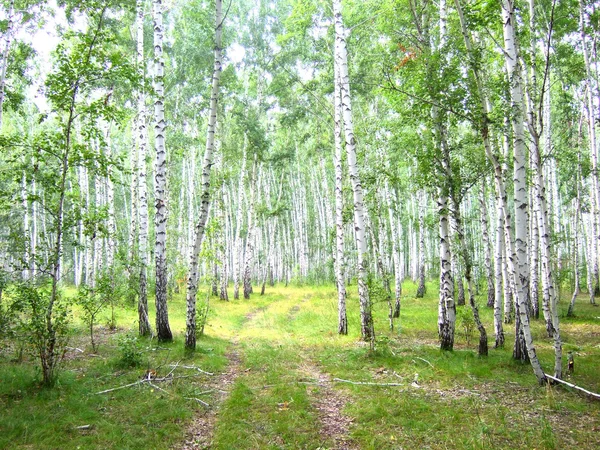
[[249, 249], [238, 239], [26, 274], [341, 58], [140, 192], [501, 278], [422, 200], [395, 252], [163, 330], [5, 53], [487, 246], [513, 69], [512, 259], [192, 287], [591, 122], [339, 206]]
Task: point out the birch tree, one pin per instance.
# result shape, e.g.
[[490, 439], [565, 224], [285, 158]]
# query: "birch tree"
[[508, 232], [141, 188], [193, 278], [163, 330], [339, 206], [341, 60]]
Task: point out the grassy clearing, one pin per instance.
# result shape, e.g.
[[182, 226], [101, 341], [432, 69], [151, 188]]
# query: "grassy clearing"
[[447, 400]]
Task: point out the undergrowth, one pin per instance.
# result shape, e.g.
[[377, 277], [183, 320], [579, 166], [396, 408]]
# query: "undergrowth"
[[444, 399]]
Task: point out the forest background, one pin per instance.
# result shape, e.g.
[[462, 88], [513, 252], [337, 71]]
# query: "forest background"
[[161, 150]]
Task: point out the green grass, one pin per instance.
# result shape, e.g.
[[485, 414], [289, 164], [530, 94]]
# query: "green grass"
[[458, 401]]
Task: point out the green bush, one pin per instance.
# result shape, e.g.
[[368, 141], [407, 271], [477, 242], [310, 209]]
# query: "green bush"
[[130, 354]]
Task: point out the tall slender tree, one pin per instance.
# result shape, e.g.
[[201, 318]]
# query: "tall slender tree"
[[163, 330], [341, 59], [193, 277]]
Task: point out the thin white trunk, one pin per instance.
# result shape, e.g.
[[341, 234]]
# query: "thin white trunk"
[[26, 274], [249, 249], [339, 206], [591, 122], [422, 200], [341, 59], [396, 245], [501, 278], [192, 287], [512, 259], [163, 330], [513, 70], [237, 256], [5, 53], [140, 192], [487, 246]]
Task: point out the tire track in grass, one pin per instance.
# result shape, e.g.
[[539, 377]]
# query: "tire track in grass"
[[199, 434], [329, 403]]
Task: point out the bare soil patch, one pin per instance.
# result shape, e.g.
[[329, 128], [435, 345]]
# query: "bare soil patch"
[[329, 403], [199, 433]]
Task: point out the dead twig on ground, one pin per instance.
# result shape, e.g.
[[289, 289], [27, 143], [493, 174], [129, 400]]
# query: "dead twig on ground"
[[198, 400], [366, 383], [196, 368], [571, 385]]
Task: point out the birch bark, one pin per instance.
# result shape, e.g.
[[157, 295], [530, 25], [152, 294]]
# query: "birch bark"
[[512, 256], [422, 202], [595, 185], [339, 207], [341, 59], [5, 52], [513, 70], [192, 287], [163, 330], [141, 178], [487, 250]]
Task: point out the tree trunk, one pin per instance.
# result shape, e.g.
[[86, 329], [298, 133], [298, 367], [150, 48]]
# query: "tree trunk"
[[595, 185], [341, 59], [512, 259], [141, 189], [501, 278], [163, 330], [192, 287], [249, 248], [395, 252], [339, 207], [447, 308], [576, 289], [513, 70], [6, 50], [487, 247], [421, 288]]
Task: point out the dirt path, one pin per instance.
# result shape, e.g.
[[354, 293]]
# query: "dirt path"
[[333, 425], [329, 403], [199, 434]]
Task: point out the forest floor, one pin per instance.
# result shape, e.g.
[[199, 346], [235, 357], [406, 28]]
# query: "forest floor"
[[272, 373]]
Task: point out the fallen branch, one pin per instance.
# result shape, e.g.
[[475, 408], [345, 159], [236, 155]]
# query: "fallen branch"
[[366, 383], [159, 388], [194, 368], [198, 400], [120, 387], [423, 359], [75, 349], [558, 380]]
